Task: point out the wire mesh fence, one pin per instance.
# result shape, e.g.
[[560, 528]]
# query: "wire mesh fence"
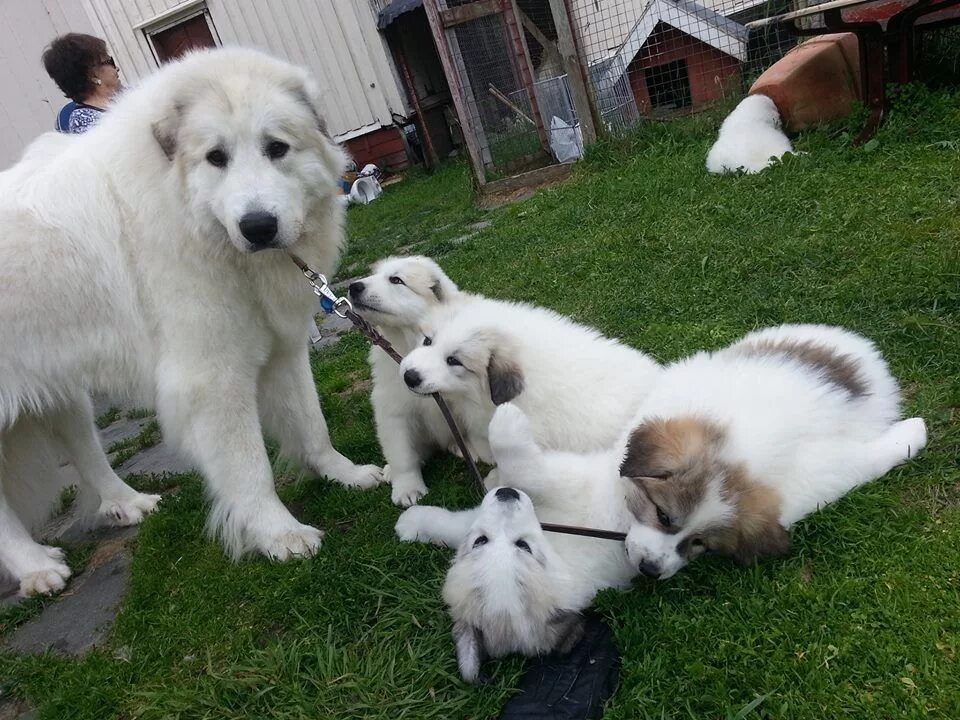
[[664, 57]]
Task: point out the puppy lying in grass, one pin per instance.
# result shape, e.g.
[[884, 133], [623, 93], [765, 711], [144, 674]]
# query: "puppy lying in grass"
[[512, 587]]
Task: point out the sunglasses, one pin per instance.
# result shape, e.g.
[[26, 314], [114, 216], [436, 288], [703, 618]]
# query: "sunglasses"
[[109, 61]]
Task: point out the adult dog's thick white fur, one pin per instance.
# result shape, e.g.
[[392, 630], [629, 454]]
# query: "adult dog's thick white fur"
[[578, 388], [513, 587], [397, 298], [750, 139], [733, 447], [159, 294]]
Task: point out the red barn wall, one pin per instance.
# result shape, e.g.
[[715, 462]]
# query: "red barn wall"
[[709, 70]]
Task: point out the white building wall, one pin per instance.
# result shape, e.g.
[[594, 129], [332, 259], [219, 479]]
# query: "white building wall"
[[29, 99], [336, 40]]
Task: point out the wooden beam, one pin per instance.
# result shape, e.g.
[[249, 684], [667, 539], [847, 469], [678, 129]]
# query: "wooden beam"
[[531, 27], [582, 99], [469, 132], [466, 13]]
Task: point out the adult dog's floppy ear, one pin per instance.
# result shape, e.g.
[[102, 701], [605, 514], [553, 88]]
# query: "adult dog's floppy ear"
[[469, 644], [505, 378], [307, 95], [166, 128]]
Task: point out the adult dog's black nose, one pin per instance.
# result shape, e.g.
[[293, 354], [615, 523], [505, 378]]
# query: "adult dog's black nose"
[[507, 494], [412, 378], [649, 569], [260, 228], [356, 289]]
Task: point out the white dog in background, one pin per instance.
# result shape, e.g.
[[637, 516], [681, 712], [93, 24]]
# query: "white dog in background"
[[733, 447], [397, 298], [578, 388], [512, 587], [172, 249], [751, 138]]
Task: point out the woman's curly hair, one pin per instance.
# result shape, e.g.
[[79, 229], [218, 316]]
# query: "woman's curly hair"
[[69, 61]]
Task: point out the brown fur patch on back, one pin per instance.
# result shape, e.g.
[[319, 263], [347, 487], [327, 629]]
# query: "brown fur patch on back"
[[837, 368]]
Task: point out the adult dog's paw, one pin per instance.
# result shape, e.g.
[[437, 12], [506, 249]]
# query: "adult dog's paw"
[[302, 542], [47, 576]]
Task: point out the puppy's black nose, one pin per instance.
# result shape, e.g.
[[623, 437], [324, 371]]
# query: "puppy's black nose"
[[412, 378], [507, 494], [260, 228], [356, 289], [649, 569]]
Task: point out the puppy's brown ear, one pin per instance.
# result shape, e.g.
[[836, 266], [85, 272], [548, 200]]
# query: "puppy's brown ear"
[[505, 378], [757, 540], [469, 642], [166, 128], [569, 626], [638, 461]]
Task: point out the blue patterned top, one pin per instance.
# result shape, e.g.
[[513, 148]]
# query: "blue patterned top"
[[77, 118]]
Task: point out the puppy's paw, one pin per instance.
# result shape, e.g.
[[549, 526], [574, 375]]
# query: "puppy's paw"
[[909, 437], [49, 576], [302, 542], [336, 467], [509, 427], [129, 510], [419, 523], [408, 489]]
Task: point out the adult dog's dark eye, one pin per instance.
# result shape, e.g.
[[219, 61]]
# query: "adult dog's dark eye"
[[522, 544], [453, 362], [427, 341], [217, 158], [697, 543], [663, 518], [482, 540], [396, 280], [276, 149]]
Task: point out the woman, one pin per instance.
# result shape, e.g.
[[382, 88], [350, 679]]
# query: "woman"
[[85, 72]]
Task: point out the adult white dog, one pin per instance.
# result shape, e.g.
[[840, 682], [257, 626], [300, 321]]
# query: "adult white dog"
[[733, 447], [750, 139], [148, 258], [578, 388], [512, 587], [397, 297]]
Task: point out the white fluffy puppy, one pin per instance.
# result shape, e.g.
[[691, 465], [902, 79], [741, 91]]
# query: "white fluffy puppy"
[[397, 298], [512, 587], [171, 246], [750, 139], [578, 388], [733, 447]]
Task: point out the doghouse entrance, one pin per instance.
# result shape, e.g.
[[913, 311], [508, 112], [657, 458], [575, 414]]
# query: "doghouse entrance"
[[668, 86]]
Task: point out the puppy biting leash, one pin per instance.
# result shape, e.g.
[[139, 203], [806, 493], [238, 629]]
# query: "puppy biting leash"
[[342, 307]]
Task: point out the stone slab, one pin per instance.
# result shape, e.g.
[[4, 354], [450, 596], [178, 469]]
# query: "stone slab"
[[122, 430], [83, 615], [161, 458]]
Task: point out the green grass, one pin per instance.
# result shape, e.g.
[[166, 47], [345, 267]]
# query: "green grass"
[[860, 620]]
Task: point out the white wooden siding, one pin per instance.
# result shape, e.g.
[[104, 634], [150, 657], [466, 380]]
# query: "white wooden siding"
[[29, 99], [336, 40]]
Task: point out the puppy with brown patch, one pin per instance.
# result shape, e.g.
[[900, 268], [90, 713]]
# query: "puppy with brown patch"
[[733, 447], [578, 388]]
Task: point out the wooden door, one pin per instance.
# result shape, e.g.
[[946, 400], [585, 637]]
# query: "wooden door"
[[188, 35]]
